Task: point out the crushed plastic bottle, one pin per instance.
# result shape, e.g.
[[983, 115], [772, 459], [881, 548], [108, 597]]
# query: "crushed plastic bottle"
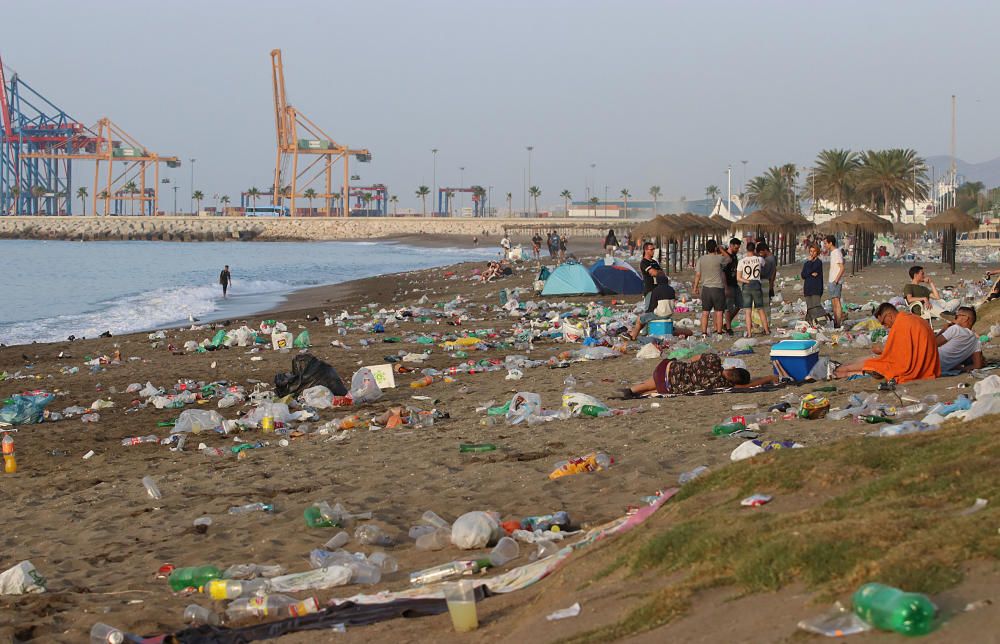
[[152, 489], [687, 477], [251, 507]]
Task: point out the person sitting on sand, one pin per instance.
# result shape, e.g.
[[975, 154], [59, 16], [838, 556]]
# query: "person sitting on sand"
[[958, 345], [925, 300], [910, 351], [660, 307], [696, 374], [491, 273]]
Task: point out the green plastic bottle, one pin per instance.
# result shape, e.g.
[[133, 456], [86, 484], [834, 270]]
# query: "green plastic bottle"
[[192, 577], [827, 388], [594, 411], [476, 447], [874, 420], [891, 609], [725, 429]]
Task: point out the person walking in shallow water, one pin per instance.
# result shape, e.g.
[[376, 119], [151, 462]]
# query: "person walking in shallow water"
[[225, 279]]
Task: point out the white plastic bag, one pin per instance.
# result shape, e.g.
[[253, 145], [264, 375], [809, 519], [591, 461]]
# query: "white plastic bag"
[[319, 397], [196, 421], [364, 387], [20, 579], [311, 579], [648, 352], [475, 530], [281, 340], [523, 405]]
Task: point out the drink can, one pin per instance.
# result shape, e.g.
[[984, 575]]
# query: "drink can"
[[267, 424]]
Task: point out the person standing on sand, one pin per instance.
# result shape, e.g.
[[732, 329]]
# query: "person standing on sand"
[[734, 299], [505, 247], [610, 242], [748, 275], [708, 275], [536, 245], [812, 285], [836, 285], [562, 248], [475, 241], [225, 278]]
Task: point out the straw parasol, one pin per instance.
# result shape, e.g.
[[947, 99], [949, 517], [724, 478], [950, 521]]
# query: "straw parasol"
[[724, 224], [951, 222], [864, 225]]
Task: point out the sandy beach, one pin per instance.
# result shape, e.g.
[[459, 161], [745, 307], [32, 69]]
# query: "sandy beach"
[[91, 530]]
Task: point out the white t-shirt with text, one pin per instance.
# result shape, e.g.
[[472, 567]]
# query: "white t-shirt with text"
[[748, 270]]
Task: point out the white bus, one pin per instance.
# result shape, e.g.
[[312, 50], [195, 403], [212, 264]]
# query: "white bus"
[[267, 211]]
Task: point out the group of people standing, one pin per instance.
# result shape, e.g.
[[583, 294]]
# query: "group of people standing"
[[727, 282], [555, 243]]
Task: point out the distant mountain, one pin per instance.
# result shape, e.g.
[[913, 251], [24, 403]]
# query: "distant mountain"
[[988, 171]]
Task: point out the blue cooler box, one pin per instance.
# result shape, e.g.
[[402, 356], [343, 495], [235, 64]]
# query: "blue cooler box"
[[795, 357], [660, 327]]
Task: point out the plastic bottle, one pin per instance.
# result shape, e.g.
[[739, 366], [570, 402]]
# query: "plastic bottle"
[[370, 534], [423, 382], [251, 507], [271, 606], [192, 577], [450, 569], [104, 634], [594, 411], [9, 458], [195, 614], [724, 429], [138, 440], [431, 518], [152, 489], [477, 447], [338, 540], [874, 419], [315, 519], [891, 609], [386, 563], [234, 588]]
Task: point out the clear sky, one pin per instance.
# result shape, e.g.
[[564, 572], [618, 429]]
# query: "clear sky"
[[652, 92]]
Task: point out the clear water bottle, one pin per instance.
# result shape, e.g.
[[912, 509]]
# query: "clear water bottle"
[[195, 614], [251, 507], [271, 606], [139, 440], [219, 589], [152, 489]]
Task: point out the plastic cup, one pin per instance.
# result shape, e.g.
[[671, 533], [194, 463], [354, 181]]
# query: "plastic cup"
[[461, 597], [505, 550]]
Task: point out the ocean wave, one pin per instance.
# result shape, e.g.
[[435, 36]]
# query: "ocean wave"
[[136, 312]]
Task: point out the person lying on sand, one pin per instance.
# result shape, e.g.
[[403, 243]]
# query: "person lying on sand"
[[696, 374], [910, 351]]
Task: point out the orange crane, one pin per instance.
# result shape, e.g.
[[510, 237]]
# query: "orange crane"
[[290, 126], [108, 143]]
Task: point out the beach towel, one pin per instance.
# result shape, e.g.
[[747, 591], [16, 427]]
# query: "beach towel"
[[726, 390], [910, 352]]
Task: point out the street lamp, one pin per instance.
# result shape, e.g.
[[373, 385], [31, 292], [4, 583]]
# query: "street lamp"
[[175, 200], [192, 185], [434, 153]]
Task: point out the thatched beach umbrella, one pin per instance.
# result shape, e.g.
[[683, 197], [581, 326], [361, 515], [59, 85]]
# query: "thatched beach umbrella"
[[659, 227], [951, 222]]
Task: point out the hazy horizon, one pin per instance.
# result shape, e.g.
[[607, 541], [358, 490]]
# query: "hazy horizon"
[[665, 93]]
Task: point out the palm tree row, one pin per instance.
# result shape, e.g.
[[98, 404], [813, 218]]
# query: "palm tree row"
[[880, 180]]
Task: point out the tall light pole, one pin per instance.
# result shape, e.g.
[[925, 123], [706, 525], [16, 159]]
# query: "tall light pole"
[[434, 195], [489, 199], [529, 149], [192, 185], [729, 191], [175, 200]]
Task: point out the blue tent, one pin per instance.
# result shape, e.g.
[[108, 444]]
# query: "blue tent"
[[618, 277], [570, 279]]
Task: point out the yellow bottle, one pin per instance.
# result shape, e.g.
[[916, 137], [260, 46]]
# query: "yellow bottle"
[[9, 461]]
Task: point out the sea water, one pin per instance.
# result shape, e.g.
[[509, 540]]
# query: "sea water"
[[53, 289]]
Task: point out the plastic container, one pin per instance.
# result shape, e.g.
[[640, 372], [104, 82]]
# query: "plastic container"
[[505, 550], [891, 609], [461, 598], [104, 634], [660, 327], [796, 358]]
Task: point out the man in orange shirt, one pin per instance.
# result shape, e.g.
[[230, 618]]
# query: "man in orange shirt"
[[910, 351]]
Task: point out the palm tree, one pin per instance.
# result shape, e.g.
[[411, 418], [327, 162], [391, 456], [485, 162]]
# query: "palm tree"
[[510, 199], [566, 195], [535, 193], [422, 192], [834, 176], [625, 195], [774, 190], [450, 196], [224, 200], [130, 189], [593, 202], [394, 200], [479, 197], [888, 177], [15, 192], [309, 194], [969, 196], [198, 195], [712, 193], [366, 199], [81, 194], [654, 192], [253, 193], [38, 192], [104, 195]]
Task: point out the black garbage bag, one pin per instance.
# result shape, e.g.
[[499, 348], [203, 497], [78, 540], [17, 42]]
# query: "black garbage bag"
[[308, 371]]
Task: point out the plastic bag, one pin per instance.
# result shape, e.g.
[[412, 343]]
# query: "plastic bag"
[[220, 337], [475, 530], [278, 411], [149, 391], [196, 421], [20, 579], [311, 579], [319, 397], [364, 388], [522, 406], [308, 371], [302, 341], [281, 340], [837, 622], [25, 410], [241, 337], [648, 352]]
